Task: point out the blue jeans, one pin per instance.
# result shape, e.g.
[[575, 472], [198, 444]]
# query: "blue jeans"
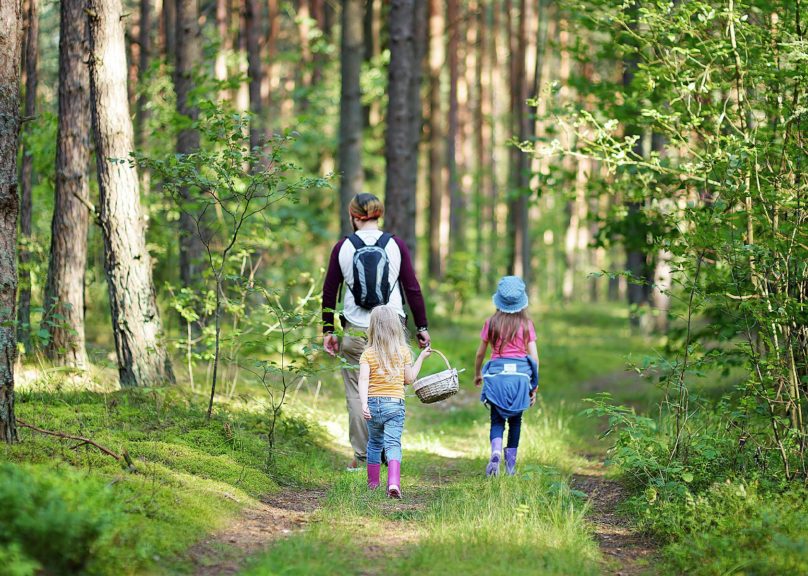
[[385, 427], [498, 426]]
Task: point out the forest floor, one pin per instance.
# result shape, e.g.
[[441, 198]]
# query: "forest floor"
[[562, 507], [206, 497]]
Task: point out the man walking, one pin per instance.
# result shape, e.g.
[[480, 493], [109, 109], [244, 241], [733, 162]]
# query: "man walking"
[[373, 268]]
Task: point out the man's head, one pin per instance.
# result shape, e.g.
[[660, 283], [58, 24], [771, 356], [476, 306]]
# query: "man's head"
[[365, 207]]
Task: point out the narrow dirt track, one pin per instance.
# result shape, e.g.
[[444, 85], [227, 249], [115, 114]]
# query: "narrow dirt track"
[[278, 515], [628, 552]]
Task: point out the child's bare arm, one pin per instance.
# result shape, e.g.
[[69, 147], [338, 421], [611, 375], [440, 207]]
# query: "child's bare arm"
[[364, 384], [411, 370], [478, 362], [533, 351]]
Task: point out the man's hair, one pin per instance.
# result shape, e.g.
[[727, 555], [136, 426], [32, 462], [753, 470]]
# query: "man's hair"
[[366, 207]]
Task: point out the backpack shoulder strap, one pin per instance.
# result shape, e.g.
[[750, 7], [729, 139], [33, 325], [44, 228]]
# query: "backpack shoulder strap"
[[356, 241], [383, 240]]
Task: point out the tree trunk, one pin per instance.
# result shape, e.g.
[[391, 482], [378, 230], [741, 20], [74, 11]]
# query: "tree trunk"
[[10, 47], [144, 39], [478, 132], [169, 27], [226, 44], [437, 181], [457, 206], [142, 356], [494, 107], [26, 203], [350, 109], [403, 113], [519, 263], [271, 77], [252, 24], [64, 290], [188, 59]]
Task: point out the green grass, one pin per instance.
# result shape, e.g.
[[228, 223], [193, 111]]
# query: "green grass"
[[194, 476], [453, 519]]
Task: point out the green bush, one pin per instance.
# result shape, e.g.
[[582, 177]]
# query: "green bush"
[[48, 522], [732, 527]]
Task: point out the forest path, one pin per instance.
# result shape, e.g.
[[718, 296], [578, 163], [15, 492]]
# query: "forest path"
[[277, 516], [627, 551]]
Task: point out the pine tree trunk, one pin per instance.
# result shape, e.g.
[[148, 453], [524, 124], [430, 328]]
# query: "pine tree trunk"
[[31, 56], [519, 263], [225, 46], [64, 290], [11, 49], [402, 115], [478, 132], [142, 356], [350, 109], [456, 204], [437, 183], [253, 32], [144, 39], [169, 29], [188, 59]]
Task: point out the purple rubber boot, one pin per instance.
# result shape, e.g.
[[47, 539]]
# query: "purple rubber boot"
[[373, 475], [510, 461], [394, 479], [496, 454]]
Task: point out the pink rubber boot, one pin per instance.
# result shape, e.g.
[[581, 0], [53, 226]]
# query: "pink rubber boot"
[[394, 479], [373, 475]]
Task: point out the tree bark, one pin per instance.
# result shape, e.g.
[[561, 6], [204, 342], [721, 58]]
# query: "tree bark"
[[519, 262], [11, 49], [252, 24], [350, 109], [64, 289], [169, 28], [403, 114], [437, 184], [188, 59], [457, 206], [31, 57], [142, 356], [144, 39]]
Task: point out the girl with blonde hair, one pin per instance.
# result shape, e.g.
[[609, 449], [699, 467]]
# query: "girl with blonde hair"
[[384, 368]]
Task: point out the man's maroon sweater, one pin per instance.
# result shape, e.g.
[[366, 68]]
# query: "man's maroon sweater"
[[406, 278]]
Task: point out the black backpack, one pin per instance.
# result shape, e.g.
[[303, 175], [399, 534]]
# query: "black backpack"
[[371, 272]]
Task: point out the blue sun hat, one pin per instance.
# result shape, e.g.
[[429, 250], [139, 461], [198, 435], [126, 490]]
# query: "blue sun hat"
[[510, 296]]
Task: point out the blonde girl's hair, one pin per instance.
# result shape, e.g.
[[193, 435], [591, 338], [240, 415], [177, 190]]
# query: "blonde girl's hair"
[[386, 337]]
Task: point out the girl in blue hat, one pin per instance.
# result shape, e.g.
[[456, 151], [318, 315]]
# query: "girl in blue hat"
[[511, 377]]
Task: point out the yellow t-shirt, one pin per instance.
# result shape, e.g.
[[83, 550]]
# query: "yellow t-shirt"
[[382, 384]]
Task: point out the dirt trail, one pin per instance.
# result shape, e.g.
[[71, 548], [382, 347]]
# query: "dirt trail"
[[277, 516], [628, 552]]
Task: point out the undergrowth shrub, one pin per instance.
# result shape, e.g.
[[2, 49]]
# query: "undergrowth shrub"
[[49, 524]]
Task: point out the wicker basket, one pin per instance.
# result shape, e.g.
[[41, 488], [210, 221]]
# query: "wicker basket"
[[437, 387]]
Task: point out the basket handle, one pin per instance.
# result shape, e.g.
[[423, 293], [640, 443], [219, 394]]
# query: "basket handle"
[[448, 366]]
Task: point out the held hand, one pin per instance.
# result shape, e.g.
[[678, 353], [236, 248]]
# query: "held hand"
[[426, 352], [331, 344], [478, 380], [423, 339], [366, 412]]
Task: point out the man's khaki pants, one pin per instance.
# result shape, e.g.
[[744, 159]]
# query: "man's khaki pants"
[[354, 342]]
